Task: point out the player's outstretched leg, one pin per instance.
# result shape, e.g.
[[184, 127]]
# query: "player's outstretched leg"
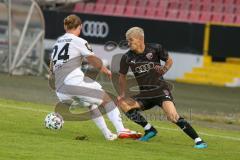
[[100, 123], [173, 116], [113, 114], [188, 129], [136, 117]]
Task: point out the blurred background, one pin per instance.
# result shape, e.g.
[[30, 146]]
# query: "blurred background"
[[202, 36]]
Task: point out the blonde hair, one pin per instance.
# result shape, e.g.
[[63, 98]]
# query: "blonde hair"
[[134, 31], [71, 22]]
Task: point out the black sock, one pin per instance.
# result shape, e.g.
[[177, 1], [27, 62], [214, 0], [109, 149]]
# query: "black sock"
[[187, 128], [136, 117]]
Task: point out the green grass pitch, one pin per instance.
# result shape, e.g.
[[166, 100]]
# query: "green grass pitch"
[[23, 137]]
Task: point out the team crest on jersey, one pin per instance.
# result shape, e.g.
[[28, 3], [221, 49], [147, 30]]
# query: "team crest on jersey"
[[166, 92], [149, 56]]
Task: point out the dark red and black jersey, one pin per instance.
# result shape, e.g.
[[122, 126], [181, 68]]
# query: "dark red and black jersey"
[[142, 65]]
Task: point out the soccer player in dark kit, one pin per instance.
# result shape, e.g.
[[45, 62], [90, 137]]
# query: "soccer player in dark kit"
[[144, 61]]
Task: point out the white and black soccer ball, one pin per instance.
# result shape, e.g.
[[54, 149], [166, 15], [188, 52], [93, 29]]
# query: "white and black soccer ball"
[[54, 121]]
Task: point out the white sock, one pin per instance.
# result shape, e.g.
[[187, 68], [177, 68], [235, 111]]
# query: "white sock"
[[113, 114], [100, 122], [197, 139], [148, 126]]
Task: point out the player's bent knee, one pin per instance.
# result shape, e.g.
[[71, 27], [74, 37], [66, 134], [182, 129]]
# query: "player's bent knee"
[[173, 117], [128, 104]]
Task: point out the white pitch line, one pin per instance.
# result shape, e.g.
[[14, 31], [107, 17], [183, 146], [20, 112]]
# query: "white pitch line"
[[164, 128], [202, 133]]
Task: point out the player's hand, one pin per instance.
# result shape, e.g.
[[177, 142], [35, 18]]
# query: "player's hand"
[[160, 69]]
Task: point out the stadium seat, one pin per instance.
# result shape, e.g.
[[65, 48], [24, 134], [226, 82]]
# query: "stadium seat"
[[194, 16], [230, 8], [206, 7], [237, 19], [217, 17], [152, 4], [129, 10], [172, 14], [237, 2], [141, 3], [140, 11], [161, 13], [89, 7], [119, 10], [218, 8], [99, 8], [109, 9], [132, 2], [79, 7], [122, 2], [205, 17], [151, 12], [184, 15], [229, 18], [227, 2]]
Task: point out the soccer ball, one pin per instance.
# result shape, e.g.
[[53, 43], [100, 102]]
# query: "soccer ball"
[[53, 121]]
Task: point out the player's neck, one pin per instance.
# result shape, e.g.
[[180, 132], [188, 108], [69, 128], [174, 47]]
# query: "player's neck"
[[140, 49]]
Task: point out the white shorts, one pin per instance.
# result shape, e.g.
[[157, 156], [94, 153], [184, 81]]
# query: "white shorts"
[[88, 91]]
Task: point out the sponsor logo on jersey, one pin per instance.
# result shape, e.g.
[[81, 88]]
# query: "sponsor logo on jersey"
[[144, 67]]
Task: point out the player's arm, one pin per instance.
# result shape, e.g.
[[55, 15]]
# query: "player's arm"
[[163, 55], [97, 63]]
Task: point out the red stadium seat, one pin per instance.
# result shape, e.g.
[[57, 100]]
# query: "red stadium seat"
[[218, 8], [132, 2], [206, 7], [79, 7], [89, 7], [237, 19], [217, 17], [109, 9], [228, 2], [230, 9], [140, 11], [229, 18], [119, 10], [205, 17], [141, 3], [172, 14], [152, 4], [151, 12], [194, 16], [184, 15], [99, 8], [122, 2], [130, 10], [161, 13]]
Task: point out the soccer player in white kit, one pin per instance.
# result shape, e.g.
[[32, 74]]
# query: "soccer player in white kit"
[[71, 83]]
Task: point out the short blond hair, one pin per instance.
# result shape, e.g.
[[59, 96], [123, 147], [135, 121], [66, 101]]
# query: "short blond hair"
[[72, 22], [134, 31]]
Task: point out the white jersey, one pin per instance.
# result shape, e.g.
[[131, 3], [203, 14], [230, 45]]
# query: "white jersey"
[[68, 47]]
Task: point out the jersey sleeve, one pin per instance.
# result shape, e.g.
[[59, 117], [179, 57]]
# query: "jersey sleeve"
[[124, 65], [162, 53], [85, 48]]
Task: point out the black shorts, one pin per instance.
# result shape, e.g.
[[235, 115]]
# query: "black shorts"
[[147, 102]]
